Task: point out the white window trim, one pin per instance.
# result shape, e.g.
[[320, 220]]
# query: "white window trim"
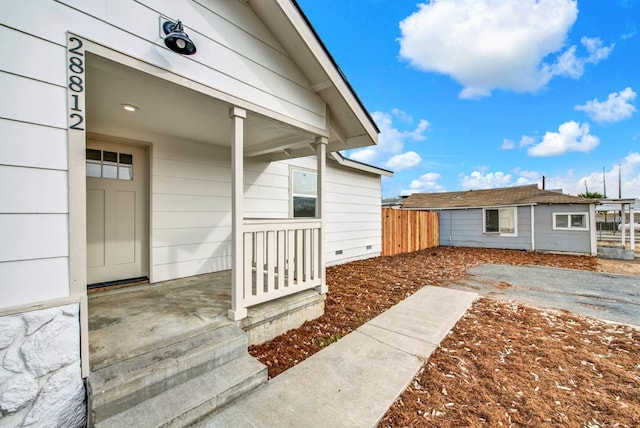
[[292, 170], [515, 220], [570, 227]]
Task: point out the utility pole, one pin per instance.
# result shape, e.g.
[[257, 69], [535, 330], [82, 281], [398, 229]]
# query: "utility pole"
[[604, 183], [619, 181]]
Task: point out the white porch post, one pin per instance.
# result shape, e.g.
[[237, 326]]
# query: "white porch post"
[[238, 311], [623, 222], [321, 154], [533, 228], [632, 232], [592, 229]]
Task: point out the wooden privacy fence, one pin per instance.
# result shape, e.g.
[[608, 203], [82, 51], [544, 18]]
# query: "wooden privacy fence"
[[405, 231]]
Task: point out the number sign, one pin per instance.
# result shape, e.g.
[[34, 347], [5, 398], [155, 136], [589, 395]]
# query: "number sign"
[[75, 82]]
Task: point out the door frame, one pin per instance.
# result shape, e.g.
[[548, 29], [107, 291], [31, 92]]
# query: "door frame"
[[146, 211]]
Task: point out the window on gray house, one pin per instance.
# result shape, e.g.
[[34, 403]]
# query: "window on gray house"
[[500, 221]]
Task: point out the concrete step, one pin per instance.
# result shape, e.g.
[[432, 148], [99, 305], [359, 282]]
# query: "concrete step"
[[188, 402], [127, 383]]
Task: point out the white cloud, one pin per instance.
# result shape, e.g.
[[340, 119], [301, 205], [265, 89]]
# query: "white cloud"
[[508, 144], [570, 65], [403, 161], [426, 183], [488, 44], [616, 108], [571, 137], [629, 173], [480, 179], [534, 176], [391, 142], [526, 141]]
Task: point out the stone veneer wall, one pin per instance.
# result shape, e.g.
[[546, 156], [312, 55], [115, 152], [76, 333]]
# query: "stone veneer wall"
[[40, 379]]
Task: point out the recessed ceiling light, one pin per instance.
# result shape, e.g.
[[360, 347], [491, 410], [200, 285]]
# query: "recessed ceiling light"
[[130, 107]]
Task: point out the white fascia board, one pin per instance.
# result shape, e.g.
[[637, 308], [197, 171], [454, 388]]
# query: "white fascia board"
[[334, 74], [349, 163]]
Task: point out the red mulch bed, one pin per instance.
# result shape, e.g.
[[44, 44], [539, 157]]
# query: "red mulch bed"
[[503, 364]]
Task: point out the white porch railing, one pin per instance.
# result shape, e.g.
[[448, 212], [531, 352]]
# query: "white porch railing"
[[280, 257]]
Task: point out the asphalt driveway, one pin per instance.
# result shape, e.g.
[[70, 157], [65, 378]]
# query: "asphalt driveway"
[[601, 295]]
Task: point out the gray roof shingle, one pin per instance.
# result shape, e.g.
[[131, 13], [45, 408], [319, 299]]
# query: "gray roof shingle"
[[520, 195]]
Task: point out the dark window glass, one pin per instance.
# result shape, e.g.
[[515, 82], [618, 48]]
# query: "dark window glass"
[[492, 221], [110, 157], [93, 154], [304, 207], [126, 159]]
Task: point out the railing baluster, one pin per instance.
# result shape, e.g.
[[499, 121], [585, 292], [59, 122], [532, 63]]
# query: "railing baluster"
[[291, 259], [299, 276], [271, 257], [259, 275], [281, 240], [307, 255], [248, 264]]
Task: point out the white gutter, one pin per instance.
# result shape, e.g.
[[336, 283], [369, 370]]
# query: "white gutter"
[[350, 163]]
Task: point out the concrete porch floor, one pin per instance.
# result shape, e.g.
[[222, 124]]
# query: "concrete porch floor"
[[130, 321]]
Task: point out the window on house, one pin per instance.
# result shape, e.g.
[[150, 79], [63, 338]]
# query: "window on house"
[[576, 221], [500, 221], [304, 193], [106, 164]]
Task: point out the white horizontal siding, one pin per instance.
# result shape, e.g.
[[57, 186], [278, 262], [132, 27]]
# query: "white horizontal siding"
[[193, 187], [229, 58], [34, 263], [185, 220], [188, 236], [200, 167], [353, 215], [181, 203], [169, 271], [25, 144], [28, 281], [266, 189], [32, 101], [33, 236], [186, 253], [32, 190], [24, 55], [339, 215], [191, 203]]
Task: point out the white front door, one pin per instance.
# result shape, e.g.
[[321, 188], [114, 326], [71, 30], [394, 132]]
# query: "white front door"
[[117, 214]]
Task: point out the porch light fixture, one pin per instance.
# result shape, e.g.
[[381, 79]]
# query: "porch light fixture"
[[176, 39], [130, 107]]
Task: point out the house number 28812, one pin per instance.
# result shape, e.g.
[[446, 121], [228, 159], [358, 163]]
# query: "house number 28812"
[[76, 83]]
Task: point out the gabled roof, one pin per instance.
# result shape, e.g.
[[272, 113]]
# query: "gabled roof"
[[506, 196], [350, 123]]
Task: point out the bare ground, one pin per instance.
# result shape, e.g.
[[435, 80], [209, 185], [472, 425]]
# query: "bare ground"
[[503, 364]]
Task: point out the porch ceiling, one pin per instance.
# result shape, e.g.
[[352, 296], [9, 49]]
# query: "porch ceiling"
[[172, 110]]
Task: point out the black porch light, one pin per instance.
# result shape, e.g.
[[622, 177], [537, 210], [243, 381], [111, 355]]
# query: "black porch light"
[[176, 39]]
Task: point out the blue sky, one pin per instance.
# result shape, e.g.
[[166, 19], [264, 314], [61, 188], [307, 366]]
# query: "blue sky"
[[473, 94]]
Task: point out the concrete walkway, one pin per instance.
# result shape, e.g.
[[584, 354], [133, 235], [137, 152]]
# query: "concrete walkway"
[[353, 382]]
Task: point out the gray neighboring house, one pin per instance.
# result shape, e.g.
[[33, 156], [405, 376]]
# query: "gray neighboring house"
[[518, 218]]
